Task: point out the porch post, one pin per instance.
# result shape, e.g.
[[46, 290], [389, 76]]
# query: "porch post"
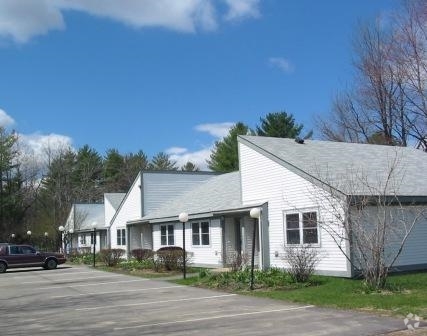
[[254, 213]]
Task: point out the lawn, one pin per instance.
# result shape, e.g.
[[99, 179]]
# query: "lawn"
[[406, 293]]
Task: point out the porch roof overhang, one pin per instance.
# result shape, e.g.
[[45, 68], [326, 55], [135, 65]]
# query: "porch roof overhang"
[[210, 214]]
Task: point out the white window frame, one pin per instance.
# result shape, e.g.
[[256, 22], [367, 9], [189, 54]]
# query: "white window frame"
[[301, 213], [167, 236], [82, 239], [200, 234], [121, 236]]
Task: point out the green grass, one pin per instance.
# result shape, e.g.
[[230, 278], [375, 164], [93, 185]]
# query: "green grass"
[[406, 293]]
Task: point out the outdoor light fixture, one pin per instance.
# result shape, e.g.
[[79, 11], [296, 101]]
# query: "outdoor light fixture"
[[183, 218], [94, 242], [29, 233], [46, 234], [61, 230], [71, 231], [254, 213]]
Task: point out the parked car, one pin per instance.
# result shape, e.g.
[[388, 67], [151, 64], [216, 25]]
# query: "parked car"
[[16, 256]]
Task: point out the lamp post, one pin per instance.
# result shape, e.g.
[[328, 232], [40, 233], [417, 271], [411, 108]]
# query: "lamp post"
[[94, 243], [29, 236], [61, 230], [12, 237], [46, 234], [254, 213], [71, 231], [183, 218]]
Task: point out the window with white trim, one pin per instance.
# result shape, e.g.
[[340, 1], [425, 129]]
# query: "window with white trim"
[[121, 237], [200, 233], [301, 228], [167, 236]]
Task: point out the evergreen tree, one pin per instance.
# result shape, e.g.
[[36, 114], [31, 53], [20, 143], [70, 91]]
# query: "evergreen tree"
[[113, 171], [161, 161], [190, 166], [87, 175], [224, 157], [279, 125], [133, 164]]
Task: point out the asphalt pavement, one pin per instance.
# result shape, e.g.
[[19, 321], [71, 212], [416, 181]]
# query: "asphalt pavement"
[[78, 300]]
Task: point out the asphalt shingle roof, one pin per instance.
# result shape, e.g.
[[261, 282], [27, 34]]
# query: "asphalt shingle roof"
[[115, 199], [219, 193], [87, 214], [353, 169]]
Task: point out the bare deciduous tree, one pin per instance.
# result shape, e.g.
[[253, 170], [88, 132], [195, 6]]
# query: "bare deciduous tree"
[[386, 103], [369, 220]]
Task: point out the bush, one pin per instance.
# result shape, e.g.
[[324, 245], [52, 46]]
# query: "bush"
[[82, 256], [302, 262], [237, 261], [111, 257], [170, 257], [142, 254]]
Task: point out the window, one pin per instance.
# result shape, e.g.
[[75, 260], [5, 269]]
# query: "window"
[[166, 235], [27, 250], [83, 239], [200, 233], [121, 236], [301, 228]]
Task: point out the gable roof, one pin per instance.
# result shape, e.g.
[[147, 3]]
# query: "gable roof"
[[87, 214], [220, 193], [350, 168], [115, 199]]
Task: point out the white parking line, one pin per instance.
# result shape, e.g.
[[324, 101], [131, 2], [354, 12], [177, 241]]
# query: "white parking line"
[[53, 273], [71, 279], [113, 292], [94, 284], [212, 318], [156, 302]]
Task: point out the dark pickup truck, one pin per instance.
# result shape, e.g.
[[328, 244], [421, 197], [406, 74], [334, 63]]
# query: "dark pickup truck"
[[17, 256]]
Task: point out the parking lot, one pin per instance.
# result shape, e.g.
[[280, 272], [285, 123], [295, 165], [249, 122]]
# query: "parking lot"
[[83, 301]]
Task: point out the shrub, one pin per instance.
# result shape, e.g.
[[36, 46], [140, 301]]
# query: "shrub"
[[237, 261], [170, 257], [111, 257], [142, 254], [302, 262]]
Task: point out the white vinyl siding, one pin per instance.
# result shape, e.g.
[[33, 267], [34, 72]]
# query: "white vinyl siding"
[[161, 187], [414, 251], [210, 255], [130, 209], [266, 181]]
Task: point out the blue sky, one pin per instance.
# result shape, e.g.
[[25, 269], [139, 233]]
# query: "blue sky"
[[169, 75]]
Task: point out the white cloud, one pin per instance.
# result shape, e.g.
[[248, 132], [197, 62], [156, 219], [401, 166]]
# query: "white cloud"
[[197, 157], [5, 119], [238, 9], [183, 15], [37, 149], [40, 144], [218, 130], [176, 150], [281, 63], [20, 20]]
